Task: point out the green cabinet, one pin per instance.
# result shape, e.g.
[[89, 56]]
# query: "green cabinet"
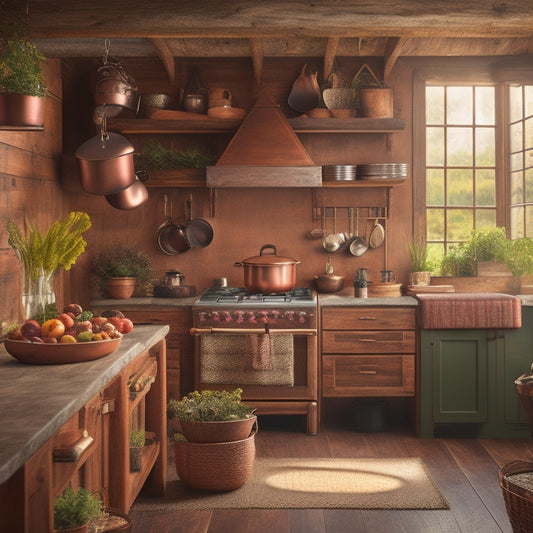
[[467, 381]]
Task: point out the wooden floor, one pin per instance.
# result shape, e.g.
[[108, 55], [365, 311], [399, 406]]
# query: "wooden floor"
[[466, 471]]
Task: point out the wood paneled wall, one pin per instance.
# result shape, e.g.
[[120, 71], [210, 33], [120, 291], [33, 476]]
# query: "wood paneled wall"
[[30, 189], [245, 219]]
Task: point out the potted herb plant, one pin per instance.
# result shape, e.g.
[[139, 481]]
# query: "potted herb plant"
[[22, 84], [120, 269], [74, 509], [420, 274], [216, 447], [137, 442]]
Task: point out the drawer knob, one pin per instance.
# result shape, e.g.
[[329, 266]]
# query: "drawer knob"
[[367, 318]]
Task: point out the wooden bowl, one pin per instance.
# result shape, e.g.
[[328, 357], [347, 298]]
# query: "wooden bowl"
[[36, 353]]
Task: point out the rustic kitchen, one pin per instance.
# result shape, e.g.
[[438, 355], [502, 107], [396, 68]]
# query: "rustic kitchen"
[[270, 166]]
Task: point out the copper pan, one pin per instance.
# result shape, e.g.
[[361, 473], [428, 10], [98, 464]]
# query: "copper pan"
[[199, 232], [171, 237]]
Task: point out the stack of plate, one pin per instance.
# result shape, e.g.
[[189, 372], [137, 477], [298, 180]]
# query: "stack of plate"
[[338, 172], [381, 171]]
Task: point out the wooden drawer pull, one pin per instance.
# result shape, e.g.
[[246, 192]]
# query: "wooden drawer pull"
[[71, 454], [367, 372], [367, 318], [367, 340]]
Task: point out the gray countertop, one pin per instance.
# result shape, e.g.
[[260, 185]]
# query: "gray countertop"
[[148, 301], [334, 300], [37, 400]]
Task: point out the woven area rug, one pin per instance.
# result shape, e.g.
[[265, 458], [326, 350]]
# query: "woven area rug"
[[312, 483]]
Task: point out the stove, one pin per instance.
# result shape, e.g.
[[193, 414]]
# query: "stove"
[[232, 307]]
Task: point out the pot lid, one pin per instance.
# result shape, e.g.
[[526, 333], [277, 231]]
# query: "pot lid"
[[271, 258], [104, 146]]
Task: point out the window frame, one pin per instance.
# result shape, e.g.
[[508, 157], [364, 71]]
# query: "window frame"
[[458, 75]]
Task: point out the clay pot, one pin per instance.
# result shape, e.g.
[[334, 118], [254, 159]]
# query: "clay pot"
[[22, 110], [121, 288]]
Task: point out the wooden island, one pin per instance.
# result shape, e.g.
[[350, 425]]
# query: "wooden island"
[[70, 423]]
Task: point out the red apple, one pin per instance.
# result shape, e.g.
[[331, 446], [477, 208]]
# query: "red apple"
[[67, 320], [52, 328], [127, 325], [30, 328], [98, 322], [112, 313], [117, 322], [84, 325]]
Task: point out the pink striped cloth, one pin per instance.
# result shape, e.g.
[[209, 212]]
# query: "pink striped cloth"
[[469, 310]]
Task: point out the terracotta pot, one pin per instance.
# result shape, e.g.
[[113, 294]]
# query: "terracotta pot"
[[421, 279], [121, 288], [269, 273], [376, 103], [23, 110], [218, 431]]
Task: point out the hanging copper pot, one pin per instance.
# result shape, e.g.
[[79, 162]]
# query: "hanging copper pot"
[[114, 86], [106, 163], [130, 197]]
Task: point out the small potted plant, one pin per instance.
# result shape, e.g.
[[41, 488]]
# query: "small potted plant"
[[420, 274], [22, 84], [74, 509], [216, 447], [137, 442], [121, 269]]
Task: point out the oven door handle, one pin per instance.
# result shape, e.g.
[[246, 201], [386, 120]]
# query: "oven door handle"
[[253, 331]]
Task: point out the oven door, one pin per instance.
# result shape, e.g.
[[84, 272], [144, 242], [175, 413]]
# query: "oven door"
[[279, 364]]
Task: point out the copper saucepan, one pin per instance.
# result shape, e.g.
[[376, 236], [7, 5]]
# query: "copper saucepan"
[[199, 232], [171, 237]]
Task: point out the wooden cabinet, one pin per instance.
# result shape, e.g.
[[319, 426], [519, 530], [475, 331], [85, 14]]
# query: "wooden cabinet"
[[180, 344], [467, 381], [368, 351]]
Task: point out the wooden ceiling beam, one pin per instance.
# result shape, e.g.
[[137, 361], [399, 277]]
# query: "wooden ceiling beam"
[[392, 52], [329, 56], [256, 48], [167, 58]]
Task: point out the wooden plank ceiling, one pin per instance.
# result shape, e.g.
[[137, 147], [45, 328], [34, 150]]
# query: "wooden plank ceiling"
[[277, 28]]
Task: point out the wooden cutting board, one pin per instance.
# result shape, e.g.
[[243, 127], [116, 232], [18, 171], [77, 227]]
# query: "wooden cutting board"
[[428, 289]]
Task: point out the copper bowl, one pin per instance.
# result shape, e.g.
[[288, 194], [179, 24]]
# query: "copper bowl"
[[130, 197], [329, 283]]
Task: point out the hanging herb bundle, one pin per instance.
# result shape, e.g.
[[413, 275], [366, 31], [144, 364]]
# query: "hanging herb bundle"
[[60, 247]]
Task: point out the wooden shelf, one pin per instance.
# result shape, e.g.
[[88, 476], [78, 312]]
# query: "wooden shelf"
[[180, 177], [226, 125], [200, 125], [21, 128], [362, 183], [347, 125]]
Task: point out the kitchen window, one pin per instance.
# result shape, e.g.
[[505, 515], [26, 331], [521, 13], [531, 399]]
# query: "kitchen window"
[[473, 158]]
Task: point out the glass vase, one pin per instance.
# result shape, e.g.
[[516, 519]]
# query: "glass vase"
[[37, 293]]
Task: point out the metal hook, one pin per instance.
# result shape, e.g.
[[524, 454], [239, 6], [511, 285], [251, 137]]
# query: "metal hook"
[[107, 46]]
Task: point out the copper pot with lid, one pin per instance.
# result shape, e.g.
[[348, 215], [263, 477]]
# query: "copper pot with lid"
[[268, 272], [106, 163]]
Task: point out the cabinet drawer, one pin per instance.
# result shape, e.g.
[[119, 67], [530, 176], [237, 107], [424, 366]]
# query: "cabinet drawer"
[[376, 375], [368, 342], [368, 318]]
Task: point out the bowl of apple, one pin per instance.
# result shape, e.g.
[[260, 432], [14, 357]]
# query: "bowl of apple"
[[74, 336]]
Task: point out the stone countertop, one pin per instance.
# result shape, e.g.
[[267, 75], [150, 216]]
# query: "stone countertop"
[[148, 301], [340, 300], [37, 400]]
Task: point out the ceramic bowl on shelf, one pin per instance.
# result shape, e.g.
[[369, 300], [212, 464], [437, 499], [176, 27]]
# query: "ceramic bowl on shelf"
[[36, 353]]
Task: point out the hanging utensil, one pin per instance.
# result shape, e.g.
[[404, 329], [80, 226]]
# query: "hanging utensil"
[[333, 241], [199, 232], [358, 246], [171, 237], [305, 93], [377, 235]]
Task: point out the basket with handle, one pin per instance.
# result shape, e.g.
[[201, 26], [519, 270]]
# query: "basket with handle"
[[516, 481]]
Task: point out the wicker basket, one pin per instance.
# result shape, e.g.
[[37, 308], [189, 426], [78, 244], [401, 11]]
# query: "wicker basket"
[[524, 389], [219, 466], [516, 481]]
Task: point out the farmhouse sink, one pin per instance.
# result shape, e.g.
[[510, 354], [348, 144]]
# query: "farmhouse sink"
[[467, 310]]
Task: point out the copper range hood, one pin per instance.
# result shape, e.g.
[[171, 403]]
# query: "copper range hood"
[[264, 152]]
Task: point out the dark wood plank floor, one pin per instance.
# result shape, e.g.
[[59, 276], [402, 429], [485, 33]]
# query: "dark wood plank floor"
[[466, 471]]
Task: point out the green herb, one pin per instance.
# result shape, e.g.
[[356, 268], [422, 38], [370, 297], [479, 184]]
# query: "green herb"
[[158, 157], [137, 438], [419, 256], [59, 248], [75, 508], [84, 315], [21, 69], [210, 405]]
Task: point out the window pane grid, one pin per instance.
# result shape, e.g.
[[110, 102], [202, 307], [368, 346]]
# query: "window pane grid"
[[460, 162]]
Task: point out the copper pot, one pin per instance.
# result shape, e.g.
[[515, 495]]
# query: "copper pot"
[[268, 272], [130, 197], [106, 163]]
